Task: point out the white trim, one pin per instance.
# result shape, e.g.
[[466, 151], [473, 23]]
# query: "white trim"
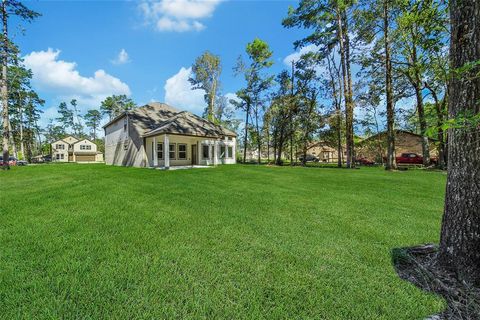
[[155, 152], [166, 160]]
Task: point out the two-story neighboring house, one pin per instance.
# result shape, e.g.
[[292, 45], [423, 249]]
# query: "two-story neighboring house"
[[71, 149]]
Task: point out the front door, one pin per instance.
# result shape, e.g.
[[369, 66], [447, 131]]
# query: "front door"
[[194, 154]]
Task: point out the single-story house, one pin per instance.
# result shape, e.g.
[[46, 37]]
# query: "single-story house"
[[375, 147], [158, 135], [71, 149], [324, 151]]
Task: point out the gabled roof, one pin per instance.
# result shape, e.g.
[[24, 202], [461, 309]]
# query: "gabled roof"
[[63, 140], [83, 140], [157, 118], [186, 123]]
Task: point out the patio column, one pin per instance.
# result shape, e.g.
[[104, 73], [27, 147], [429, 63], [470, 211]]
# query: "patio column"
[[199, 152], [155, 152], [166, 152], [215, 152]]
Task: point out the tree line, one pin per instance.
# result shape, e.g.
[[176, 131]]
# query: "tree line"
[[368, 55]]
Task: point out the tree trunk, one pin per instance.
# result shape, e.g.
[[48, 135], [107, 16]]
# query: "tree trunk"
[[391, 163], [268, 146], [4, 89], [280, 149], [423, 123], [12, 141], [460, 235], [259, 141], [22, 144], [439, 109], [349, 99], [211, 104], [346, 88], [338, 108], [246, 134]]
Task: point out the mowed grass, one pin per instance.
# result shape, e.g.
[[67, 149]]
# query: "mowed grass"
[[232, 242]]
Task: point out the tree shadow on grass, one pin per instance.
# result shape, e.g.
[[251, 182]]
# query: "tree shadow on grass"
[[419, 265]]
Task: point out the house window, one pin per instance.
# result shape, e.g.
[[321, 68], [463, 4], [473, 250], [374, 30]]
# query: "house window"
[[85, 147], [58, 156], [182, 151], [125, 124], [230, 152], [62, 156], [230, 138], [206, 152], [160, 150], [60, 146], [172, 150], [222, 152]]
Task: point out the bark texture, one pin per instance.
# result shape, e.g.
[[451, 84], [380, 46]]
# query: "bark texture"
[[391, 163], [460, 235], [4, 90]]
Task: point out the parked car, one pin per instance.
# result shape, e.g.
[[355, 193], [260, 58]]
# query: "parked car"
[[21, 163], [309, 158], [12, 161], [365, 162], [412, 158]]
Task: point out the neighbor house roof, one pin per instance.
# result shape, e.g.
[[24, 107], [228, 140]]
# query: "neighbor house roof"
[[158, 118], [64, 140], [397, 131]]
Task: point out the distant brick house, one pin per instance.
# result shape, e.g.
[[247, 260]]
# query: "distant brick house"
[[375, 147]]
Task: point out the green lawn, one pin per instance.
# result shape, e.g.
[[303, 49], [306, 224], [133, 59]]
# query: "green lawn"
[[233, 242]]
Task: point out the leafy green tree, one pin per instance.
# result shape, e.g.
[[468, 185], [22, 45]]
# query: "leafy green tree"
[[253, 96], [116, 105], [282, 111], [66, 117], [375, 22], [329, 21], [92, 121], [54, 132], [20, 11], [417, 39], [308, 92], [77, 125], [206, 73]]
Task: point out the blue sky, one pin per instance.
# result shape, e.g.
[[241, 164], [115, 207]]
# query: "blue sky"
[[90, 49]]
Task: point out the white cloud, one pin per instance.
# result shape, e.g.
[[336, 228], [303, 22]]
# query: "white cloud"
[[177, 15], [297, 54], [179, 93], [62, 79], [121, 58]]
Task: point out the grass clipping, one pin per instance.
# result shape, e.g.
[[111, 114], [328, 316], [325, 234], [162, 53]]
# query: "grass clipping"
[[420, 266]]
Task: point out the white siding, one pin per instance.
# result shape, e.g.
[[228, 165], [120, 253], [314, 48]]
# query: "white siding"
[[84, 146]]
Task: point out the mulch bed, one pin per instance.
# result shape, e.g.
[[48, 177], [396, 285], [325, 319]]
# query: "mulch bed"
[[420, 266]]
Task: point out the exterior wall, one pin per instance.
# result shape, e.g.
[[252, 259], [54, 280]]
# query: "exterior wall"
[[73, 148], [125, 147], [198, 142], [325, 153], [375, 148], [77, 147], [58, 151]]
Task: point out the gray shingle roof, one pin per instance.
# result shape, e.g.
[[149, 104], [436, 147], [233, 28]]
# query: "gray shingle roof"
[[158, 118]]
